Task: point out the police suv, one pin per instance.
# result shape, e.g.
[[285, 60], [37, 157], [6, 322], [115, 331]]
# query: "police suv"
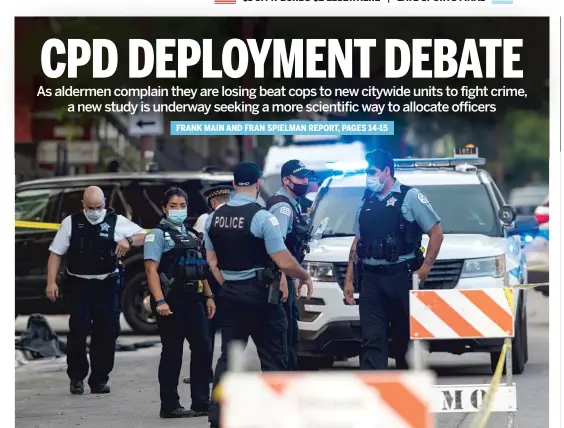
[[481, 249]]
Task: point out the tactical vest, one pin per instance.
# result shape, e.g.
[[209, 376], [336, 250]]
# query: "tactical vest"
[[186, 262], [92, 247], [237, 249], [296, 241], [384, 231]]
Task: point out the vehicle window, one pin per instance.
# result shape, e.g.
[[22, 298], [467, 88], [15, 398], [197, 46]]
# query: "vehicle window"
[[465, 209], [497, 193], [37, 205], [144, 200], [118, 205], [72, 200]]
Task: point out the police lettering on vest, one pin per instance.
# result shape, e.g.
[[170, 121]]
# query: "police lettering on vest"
[[229, 222], [186, 261], [237, 249], [385, 234], [297, 240], [92, 246]]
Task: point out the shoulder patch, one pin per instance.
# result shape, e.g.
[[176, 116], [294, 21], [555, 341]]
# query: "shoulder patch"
[[150, 237], [422, 198], [286, 211], [274, 221]]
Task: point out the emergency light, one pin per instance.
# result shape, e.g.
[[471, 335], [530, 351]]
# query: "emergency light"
[[409, 163]]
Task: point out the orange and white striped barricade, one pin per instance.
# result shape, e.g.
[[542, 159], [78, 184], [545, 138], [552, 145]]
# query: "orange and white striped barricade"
[[467, 314], [327, 399]]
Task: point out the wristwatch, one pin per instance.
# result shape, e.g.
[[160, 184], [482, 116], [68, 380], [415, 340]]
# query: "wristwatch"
[[211, 296], [129, 240]]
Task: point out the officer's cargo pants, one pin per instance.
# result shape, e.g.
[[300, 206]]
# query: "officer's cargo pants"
[[292, 338], [94, 310], [187, 322], [245, 312], [384, 299]]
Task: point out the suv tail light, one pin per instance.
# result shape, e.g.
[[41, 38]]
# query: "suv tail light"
[[542, 218]]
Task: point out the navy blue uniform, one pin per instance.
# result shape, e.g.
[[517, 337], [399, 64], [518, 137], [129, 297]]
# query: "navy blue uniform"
[[187, 322], [288, 216], [242, 234], [401, 215], [92, 285]]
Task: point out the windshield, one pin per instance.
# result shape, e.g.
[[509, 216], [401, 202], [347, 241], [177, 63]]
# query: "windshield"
[[528, 196], [464, 209], [31, 205]]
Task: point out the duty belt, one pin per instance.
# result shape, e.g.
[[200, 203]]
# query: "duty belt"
[[389, 269]]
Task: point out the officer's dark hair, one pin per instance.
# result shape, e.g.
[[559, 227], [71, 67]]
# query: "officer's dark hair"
[[170, 193], [380, 159]]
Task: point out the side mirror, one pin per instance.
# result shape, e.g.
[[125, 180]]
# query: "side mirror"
[[507, 215], [524, 226]]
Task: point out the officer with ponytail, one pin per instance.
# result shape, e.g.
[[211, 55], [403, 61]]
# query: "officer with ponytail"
[[175, 264]]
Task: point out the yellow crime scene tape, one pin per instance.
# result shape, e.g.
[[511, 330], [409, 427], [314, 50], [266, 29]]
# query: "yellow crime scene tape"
[[56, 226]]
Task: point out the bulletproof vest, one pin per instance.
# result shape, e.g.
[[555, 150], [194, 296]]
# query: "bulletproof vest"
[[92, 246], [236, 247], [296, 241], [186, 262], [384, 231]]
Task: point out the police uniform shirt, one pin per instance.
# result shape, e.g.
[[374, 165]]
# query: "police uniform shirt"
[[415, 207], [201, 222], [124, 229], [263, 225], [284, 212], [157, 243]]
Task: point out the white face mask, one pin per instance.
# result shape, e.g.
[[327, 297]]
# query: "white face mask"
[[95, 216], [373, 183]]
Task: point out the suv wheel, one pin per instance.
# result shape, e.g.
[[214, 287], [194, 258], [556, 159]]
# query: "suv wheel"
[[134, 306], [519, 347]]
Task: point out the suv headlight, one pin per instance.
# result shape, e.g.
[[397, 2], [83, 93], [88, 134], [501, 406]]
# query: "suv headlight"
[[322, 272], [489, 266]]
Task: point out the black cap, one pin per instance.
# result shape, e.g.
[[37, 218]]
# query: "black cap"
[[380, 159], [296, 168], [246, 174], [222, 189]]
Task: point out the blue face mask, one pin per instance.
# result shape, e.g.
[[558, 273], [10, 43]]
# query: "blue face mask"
[[177, 216], [373, 183]]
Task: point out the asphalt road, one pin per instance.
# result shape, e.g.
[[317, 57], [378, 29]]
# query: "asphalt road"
[[42, 399]]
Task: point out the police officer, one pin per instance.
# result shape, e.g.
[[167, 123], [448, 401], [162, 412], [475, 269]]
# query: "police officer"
[[88, 239], [243, 245], [389, 225], [175, 264], [285, 207], [216, 197]]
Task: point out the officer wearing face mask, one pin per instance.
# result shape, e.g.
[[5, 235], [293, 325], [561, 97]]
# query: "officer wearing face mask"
[[244, 249], [93, 240], [175, 264], [285, 206], [389, 225]]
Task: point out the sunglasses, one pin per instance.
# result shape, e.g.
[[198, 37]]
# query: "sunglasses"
[[370, 171]]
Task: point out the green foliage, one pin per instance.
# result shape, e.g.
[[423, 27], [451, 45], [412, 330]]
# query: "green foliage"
[[526, 148]]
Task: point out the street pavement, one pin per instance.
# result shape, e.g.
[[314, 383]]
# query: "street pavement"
[[43, 401]]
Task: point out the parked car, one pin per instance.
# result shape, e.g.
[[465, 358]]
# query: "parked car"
[[527, 198], [537, 251], [136, 196]]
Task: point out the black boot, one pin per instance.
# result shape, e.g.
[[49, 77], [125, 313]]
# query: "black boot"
[[77, 387], [100, 389], [179, 412]]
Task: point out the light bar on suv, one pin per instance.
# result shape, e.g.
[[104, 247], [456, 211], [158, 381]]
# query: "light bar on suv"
[[409, 163], [436, 162]]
